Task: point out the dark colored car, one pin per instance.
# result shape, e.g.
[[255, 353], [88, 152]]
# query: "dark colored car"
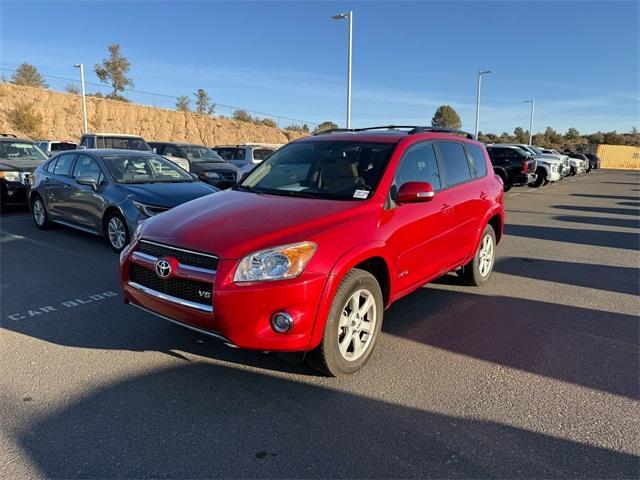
[[120, 141], [109, 192], [594, 160], [306, 253], [203, 162], [18, 159], [513, 165]]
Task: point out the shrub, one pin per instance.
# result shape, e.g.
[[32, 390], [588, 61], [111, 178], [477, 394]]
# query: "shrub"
[[24, 119]]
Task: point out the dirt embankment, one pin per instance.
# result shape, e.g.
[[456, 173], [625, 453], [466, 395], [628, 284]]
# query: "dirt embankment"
[[59, 116]]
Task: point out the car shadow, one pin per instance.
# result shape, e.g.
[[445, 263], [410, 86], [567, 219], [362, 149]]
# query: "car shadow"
[[207, 421], [629, 204], [607, 197], [606, 210], [601, 238], [607, 221], [602, 277], [592, 348]]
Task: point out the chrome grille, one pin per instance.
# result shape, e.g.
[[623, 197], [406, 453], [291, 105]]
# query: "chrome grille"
[[185, 257]]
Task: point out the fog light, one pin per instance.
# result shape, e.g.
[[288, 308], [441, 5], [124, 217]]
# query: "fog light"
[[281, 322]]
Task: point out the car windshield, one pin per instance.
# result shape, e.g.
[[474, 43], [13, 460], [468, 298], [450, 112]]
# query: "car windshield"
[[21, 150], [124, 143], [196, 153], [341, 170], [144, 169]]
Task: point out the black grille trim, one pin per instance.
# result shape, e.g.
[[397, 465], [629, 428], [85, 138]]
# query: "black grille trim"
[[176, 287], [185, 257]]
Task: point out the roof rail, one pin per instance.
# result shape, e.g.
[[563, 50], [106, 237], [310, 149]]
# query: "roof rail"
[[452, 131], [11, 135], [412, 129]]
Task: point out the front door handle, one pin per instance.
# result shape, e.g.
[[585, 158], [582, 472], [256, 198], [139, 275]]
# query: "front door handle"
[[46, 179], [68, 187], [483, 195], [445, 208]]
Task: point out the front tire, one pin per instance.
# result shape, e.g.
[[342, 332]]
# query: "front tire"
[[39, 212], [116, 232], [353, 326], [478, 270], [540, 179]]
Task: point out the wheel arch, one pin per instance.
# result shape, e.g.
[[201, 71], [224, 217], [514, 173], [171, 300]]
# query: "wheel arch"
[[107, 212]]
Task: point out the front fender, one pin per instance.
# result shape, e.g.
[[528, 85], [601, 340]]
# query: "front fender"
[[352, 257]]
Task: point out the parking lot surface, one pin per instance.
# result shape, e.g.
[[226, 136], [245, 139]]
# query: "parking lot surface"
[[534, 375]]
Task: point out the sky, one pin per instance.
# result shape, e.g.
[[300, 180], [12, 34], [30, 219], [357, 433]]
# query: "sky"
[[578, 60]]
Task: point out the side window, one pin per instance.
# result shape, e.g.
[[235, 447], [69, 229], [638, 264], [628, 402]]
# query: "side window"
[[172, 151], [477, 154], [63, 165], [418, 164], [50, 166], [87, 166], [455, 162], [88, 142]]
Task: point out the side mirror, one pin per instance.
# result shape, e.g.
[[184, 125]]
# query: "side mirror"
[[87, 180], [415, 192]]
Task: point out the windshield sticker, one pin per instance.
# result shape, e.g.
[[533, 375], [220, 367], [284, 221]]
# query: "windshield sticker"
[[360, 194]]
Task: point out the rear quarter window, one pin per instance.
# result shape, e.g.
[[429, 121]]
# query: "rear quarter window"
[[477, 155], [455, 161]]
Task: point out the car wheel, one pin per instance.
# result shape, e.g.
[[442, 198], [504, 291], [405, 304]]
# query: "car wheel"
[[573, 171], [478, 270], [116, 231], [39, 212], [540, 179], [353, 326], [507, 187]]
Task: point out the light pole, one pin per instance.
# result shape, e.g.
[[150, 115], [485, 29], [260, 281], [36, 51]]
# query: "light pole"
[[342, 16], [480, 74], [533, 106], [84, 98]]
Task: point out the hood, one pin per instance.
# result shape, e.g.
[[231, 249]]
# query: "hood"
[[231, 224], [19, 164], [548, 158], [207, 166], [166, 194]]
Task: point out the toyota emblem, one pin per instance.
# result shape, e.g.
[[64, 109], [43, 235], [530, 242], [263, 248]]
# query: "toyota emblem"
[[163, 268]]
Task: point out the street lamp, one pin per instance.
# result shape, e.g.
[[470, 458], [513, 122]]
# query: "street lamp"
[[533, 106], [342, 16], [84, 98], [480, 74]]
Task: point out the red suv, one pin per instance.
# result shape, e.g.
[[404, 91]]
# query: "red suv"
[[306, 253]]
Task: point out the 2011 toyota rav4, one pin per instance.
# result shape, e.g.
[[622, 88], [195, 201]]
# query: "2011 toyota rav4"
[[306, 253]]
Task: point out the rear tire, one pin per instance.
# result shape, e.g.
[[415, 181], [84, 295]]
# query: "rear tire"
[[39, 213], [353, 326], [540, 179], [116, 231], [478, 270]]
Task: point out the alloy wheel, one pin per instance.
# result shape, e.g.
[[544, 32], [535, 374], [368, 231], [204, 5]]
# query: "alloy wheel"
[[485, 255], [116, 232], [357, 325], [39, 214]]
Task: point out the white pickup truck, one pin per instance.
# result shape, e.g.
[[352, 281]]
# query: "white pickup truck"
[[550, 168]]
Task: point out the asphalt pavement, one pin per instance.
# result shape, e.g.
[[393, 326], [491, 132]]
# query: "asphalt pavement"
[[535, 375]]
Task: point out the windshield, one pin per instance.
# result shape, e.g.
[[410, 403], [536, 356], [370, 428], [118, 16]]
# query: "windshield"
[[124, 143], [342, 170], [21, 150], [144, 169], [197, 154]]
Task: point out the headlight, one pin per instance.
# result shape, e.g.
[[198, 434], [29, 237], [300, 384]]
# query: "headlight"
[[149, 210], [137, 234], [10, 176], [214, 175], [277, 263]]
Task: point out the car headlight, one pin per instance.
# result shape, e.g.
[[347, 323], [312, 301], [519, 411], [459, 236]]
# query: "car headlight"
[[277, 263], [137, 234], [10, 176], [149, 210], [213, 175]]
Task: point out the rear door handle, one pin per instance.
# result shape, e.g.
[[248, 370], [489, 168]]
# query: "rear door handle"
[[483, 195], [445, 208], [68, 187]]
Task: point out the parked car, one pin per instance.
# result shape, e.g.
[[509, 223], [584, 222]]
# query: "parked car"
[[578, 161], [306, 253], [594, 160], [513, 165], [118, 141], [243, 154], [549, 168], [54, 146], [565, 169], [200, 160], [18, 159], [109, 192]]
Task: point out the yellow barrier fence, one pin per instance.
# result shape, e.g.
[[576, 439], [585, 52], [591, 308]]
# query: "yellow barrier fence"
[[619, 156]]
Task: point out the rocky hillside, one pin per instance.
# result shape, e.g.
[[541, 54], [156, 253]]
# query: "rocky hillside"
[[35, 112]]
